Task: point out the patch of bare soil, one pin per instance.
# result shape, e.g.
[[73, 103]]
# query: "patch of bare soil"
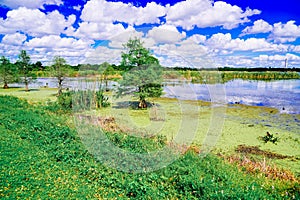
[[182, 148], [257, 151], [108, 124]]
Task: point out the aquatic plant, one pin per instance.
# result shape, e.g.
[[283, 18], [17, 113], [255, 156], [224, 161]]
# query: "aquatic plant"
[[269, 138]]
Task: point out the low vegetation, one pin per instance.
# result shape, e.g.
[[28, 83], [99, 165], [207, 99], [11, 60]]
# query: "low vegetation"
[[269, 138], [81, 100], [215, 76], [43, 157]]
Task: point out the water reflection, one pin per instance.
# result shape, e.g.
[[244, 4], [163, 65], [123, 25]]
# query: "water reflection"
[[70, 83], [282, 94]]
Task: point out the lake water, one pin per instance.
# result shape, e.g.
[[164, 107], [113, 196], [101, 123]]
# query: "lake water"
[[281, 94]]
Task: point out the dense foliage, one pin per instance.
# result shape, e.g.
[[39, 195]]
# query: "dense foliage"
[[144, 81], [25, 68], [136, 55], [142, 72], [8, 72], [43, 158]]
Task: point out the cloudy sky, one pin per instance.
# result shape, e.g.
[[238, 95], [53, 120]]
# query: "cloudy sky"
[[194, 33]]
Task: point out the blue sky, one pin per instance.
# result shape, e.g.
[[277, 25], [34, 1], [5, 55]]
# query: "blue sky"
[[195, 33]]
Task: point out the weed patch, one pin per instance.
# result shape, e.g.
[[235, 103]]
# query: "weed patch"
[[261, 167]]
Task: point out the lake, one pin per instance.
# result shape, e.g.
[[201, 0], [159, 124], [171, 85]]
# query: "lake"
[[281, 94]]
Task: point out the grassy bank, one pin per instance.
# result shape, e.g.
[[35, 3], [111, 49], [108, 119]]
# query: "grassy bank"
[[35, 95], [190, 122], [43, 158]]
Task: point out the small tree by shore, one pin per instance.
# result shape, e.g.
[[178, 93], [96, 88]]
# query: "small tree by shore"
[[60, 71], [142, 72], [8, 72], [105, 70], [25, 69]]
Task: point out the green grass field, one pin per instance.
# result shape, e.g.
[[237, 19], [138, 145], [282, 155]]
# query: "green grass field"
[[35, 95]]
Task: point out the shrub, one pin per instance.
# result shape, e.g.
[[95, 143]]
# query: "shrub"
[[65, 100], [82, 100]]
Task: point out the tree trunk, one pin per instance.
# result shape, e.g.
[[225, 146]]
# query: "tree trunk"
[[142, 103], [106, 85], [26, 85], [59, 87], [5, 86]]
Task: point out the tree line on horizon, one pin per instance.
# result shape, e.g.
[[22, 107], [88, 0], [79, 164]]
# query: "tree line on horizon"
[[244, 69]]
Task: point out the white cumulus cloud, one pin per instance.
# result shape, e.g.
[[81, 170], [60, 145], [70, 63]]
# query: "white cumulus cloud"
[[117, 41], [218, 41], [166, 34], [29, 3], [205, 13], [97, 31], [186, 51], [288, 32], [54, 41], [278, 57], [295, 48], [14, 39], [197, 38], [259, 26], [103, 54], [222, 41], [34, 22], [102, 11]]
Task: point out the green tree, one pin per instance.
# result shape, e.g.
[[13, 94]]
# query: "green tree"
[[60, 70], [25, 68], [7, 72], [136, 55], [38, 66], [105, 70], [143, 74]]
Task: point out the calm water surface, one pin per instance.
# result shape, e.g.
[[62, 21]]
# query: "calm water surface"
[[281, 94]]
